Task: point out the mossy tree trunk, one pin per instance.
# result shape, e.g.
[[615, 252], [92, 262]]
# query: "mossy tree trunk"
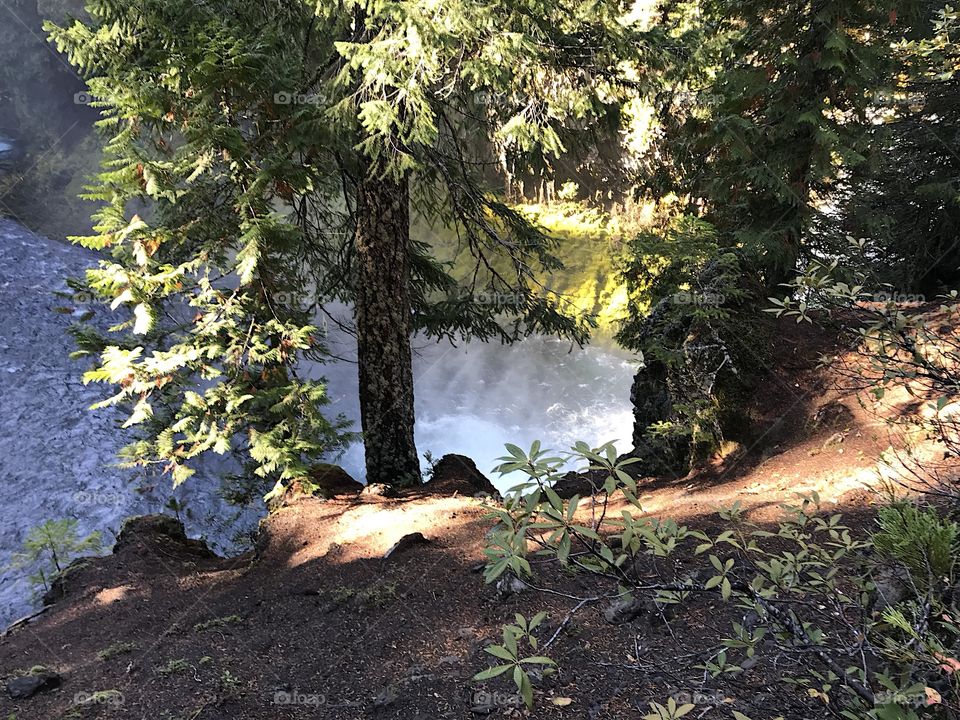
[[384, 324]]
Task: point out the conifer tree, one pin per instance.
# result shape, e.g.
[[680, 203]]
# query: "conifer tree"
[[908, 204], [764, 116], [265, 158]]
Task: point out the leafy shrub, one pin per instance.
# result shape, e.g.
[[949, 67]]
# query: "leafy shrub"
[[895, 342], [807, 584], [509, 651]]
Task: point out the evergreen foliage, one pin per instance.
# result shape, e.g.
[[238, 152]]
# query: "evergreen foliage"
[[50, 547], [253, 153], [765, 113]]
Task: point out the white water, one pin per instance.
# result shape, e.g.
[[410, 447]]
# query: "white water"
[[474, 398]]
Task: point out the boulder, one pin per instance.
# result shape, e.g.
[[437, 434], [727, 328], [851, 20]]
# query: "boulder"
[[582, 484], [25, 687], [324, 481], [458, 475], [159, 530], [333, 480]]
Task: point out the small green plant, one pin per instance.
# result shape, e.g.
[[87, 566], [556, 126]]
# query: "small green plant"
[[173, 667], [670, 711], [919, 538], [176, 507], [117, 648], [513, 635], [432, 461], [376, 595], [101, 697], [50, 547], [217, 623]]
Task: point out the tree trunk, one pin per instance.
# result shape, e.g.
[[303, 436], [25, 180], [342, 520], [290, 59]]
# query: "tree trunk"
[[383, 322]]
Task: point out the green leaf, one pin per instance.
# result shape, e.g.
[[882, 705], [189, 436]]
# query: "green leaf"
[[492, 672], [500, 652], [538, 660]]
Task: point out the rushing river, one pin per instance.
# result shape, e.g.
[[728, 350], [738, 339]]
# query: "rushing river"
[[56, 459], [473, 398]]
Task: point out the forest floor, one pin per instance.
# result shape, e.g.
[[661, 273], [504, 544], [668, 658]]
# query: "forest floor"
[[316, 624]]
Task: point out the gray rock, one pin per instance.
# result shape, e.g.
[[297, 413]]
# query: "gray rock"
[[893, 586], [511, 585], [624, 610], [23, 688]]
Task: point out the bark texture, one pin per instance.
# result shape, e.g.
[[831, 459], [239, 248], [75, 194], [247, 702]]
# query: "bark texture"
[[383, 323]]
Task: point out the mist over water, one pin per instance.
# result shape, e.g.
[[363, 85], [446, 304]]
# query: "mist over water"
[[473, 398]]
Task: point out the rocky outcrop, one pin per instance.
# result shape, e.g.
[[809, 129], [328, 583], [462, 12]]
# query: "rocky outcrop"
[[159, 531], [692, 360], [458, 474], [653, 397], [333, 480]]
